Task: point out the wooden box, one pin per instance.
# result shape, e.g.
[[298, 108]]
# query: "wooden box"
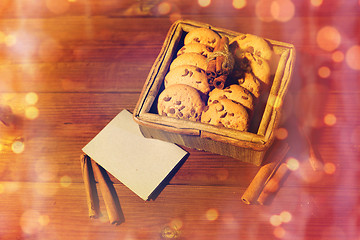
[[250, 146]]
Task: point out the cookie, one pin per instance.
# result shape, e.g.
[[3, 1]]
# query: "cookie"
[[234, 93], [249, 82], [253, 44], [226, 113], [189, 75], [181, 101], [196, 47], [194, 59], [204, 36], [251, 63]]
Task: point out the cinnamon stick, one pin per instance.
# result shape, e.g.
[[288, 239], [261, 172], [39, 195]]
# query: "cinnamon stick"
[[219, 82], [90, 186], [108, 193], [274, 159], [211, 69], [273, 185], [219, 61]]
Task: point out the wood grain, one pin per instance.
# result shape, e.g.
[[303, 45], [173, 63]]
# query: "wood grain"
[[88, 60]]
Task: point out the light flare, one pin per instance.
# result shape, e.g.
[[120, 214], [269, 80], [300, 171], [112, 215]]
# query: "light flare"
[[212, 214], [282, 10], [65, 181], [204, 3], [18, 146], [316, 3], [293, 164], [281, 133], [239, 4], [279, 232], [285, 216], [324, 72], [338, 56], [329, 168], [352, 57], [164, 8], [31, 112], [328, 38], [31, 98], [330, 119], [275, 220]]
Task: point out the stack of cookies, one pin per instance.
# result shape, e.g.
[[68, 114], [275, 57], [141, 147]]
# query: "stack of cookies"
[[188, 94]]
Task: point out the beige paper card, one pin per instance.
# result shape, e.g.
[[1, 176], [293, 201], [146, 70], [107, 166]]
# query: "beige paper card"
[[139, 163]]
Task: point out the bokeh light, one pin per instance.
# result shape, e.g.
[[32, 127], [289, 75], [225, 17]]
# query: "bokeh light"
[[239, 4], [281, 133], [31, 98], [338, 56], [31, 112], [65, 181], [10, 40], [212, 214], [285, 216], [328, 38], [352, 57], [275, 220], [164, 8], [292, 163], [204, 3], [263, 10], [329, 168], [316, 3], [330, 119], [282, 10], [29, 222], [18, 146], [279, 232], [44, 220], [324, 72]]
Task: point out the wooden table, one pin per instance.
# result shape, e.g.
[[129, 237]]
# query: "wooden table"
[[68, 67]]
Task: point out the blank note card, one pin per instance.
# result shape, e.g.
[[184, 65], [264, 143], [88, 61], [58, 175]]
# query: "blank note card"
[[139, 163]]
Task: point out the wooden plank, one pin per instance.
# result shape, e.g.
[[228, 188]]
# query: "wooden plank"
[[47, 210]]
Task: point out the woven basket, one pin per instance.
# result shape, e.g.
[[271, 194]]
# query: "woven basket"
[[248, 146]]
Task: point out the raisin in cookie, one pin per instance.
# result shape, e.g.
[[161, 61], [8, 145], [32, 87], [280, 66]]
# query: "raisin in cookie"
[[204, 36], [253, 44], [196, 47], [235, 93], [189, 75], [226, 113], [249, 82], [194, 59], [181, 101]]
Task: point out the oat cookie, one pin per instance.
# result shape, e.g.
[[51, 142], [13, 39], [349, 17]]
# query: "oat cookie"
[[204, 36], [181, 101], [194, 59], [189, 75], [235, 93], [253, 44], [196, 47], [226, 113], [249, 82]]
